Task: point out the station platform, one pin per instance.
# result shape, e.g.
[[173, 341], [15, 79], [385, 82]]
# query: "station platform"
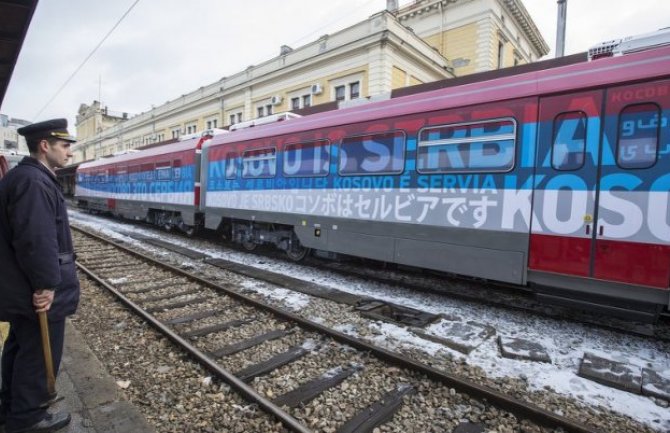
[[89, 393]]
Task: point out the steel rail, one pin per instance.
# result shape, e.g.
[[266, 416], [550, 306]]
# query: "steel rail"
[[518, 407], [241, 387]]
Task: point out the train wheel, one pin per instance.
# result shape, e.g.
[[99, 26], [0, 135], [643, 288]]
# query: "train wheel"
[[297, 253], [249, 245]]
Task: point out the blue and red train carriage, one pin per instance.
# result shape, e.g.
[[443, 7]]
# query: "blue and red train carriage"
[[8, 161], [556, 178]]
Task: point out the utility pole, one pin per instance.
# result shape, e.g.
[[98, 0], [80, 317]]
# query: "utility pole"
[[560, 27]]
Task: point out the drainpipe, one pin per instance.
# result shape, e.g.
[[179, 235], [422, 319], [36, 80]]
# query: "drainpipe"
[[560, 27]]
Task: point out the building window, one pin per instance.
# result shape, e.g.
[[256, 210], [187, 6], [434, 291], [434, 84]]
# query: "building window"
[[268, 109], [340, 93], [301, 101], [212, 123], [235, 118], [354, 90], [501, 54], [176, 133], [261, 111]]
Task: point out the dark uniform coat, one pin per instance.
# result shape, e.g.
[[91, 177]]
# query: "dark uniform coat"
[[35, 243]]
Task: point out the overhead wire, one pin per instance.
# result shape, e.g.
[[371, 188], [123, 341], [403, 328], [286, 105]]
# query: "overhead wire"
[[74, 73], [322, 27], [86, 59], [336, 20]]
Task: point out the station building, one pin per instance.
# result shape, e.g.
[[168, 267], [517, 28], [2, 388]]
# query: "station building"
[[11, 142], [424, 41]]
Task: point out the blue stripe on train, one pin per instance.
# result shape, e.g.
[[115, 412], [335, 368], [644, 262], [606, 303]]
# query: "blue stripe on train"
[[122, 184]]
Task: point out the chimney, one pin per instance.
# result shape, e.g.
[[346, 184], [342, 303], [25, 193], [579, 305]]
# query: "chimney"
[[392, 5]]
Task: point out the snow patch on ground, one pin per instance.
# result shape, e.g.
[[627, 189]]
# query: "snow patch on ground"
[[565, 342]]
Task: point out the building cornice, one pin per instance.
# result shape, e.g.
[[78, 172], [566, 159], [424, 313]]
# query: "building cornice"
[[515, 8], [526, 23]]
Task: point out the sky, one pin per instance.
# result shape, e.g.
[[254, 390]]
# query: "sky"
[[163, 49]]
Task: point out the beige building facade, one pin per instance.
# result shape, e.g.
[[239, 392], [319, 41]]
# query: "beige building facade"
[[391, 49], [10, 140], [476, 35]]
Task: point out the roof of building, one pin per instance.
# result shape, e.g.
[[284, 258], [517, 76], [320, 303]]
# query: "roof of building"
[[15, 17], [513, 7], [519, 12]]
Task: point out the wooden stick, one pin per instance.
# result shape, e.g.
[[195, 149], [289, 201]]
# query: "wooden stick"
[[48, 359]]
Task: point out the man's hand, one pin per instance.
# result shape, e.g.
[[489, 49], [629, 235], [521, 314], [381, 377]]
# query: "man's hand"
[[42, 300]]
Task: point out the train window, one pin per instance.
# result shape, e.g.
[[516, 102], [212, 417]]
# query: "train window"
[[122, 174], [134, 173], [639, 127], [163, 171], [569, 145], [176, 169], [307, 159], [259, 163], [148, 171], [231, 165], [382, 153], [467, 147]]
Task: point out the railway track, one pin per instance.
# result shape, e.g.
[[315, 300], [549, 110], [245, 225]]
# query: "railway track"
[[249, 345], [512, 298], [490, 293]]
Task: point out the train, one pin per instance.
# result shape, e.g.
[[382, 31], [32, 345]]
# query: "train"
[[552, 179], [8, 161]]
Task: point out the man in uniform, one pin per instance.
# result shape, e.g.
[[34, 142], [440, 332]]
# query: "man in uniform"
[[38, 274]]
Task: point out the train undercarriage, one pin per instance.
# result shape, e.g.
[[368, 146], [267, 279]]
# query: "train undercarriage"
[[250, 235]]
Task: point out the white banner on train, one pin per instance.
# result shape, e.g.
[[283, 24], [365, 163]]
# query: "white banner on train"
[[180, 198], [633, 216]]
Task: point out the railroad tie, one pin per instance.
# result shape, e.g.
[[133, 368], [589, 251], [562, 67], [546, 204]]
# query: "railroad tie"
[[249, 373], [379, 412], [310, 390]]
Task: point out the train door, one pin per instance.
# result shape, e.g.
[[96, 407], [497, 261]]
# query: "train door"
[[632, 232], [564, 204]]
